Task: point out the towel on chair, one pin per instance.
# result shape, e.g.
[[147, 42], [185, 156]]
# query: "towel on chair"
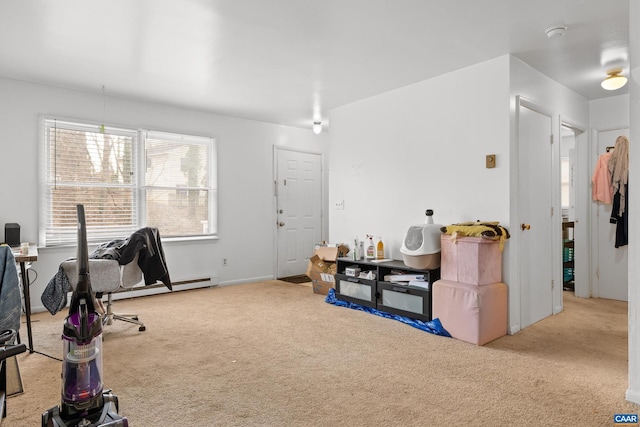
[[105, 277], [104, 274]]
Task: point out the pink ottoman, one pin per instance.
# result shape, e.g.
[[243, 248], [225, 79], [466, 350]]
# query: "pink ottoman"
[[471, 313], [471, 260]]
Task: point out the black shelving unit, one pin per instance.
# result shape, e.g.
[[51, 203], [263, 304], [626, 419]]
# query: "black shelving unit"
[[396, 298], [568, 261]]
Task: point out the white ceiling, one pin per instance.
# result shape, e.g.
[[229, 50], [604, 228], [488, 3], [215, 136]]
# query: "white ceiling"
[[282, 61]]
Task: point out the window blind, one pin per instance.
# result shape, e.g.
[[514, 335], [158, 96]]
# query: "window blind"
[[91, 165]]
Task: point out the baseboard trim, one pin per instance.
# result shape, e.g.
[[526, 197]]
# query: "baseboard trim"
[[247, 280]]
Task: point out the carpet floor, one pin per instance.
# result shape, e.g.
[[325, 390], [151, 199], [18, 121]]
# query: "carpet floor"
[[275, 354]]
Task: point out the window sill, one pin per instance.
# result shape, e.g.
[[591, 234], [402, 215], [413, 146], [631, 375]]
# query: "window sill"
[[186, 239]]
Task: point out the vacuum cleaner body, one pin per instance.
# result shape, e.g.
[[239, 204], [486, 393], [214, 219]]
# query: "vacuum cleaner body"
[[85, 403]]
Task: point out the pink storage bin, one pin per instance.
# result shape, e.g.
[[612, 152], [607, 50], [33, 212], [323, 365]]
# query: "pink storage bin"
[[471, 313], [472, 260]]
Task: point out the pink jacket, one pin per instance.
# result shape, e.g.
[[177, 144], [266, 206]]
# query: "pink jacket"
[[602, 190]]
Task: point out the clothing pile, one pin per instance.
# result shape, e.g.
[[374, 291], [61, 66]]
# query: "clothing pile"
[[486, 230], [10, 298], [144, 242], [611, 186]]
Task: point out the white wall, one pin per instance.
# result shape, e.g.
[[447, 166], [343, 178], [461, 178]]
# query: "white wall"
[[394, 155], [609, 113], [245, 177], [633, 392]]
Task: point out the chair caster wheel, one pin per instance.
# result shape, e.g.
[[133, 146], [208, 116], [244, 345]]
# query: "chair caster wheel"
[[142, 328]]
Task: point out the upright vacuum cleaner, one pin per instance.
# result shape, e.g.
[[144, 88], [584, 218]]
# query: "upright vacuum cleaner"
[[85, 403]]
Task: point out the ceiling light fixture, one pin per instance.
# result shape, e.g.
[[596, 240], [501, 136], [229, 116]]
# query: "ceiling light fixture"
[[615, 81], [317, 127]]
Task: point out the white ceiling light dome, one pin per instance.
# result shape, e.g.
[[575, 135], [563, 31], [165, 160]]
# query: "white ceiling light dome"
[[317, 127], [614, 81]]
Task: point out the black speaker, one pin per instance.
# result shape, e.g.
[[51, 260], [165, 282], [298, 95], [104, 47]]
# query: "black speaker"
[[12, 234]]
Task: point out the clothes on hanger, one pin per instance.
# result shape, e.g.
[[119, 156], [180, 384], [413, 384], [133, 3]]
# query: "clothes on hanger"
[[619, 169], [621, 220], [601, 189]]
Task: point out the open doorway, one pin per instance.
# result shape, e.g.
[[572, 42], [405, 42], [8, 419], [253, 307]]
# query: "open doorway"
[[575, 182], [609, 264], [568, 202]]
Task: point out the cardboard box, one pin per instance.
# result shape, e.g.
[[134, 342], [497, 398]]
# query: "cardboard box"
[[322, 267], [323, 283], [317, 266], [321, 274], [353, 271], [330, 253], [472, 260]]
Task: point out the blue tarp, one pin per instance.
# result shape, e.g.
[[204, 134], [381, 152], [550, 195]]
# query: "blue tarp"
[[433, 327]]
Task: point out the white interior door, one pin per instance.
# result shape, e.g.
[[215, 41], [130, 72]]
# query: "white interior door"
[[299, 209], [534, 210], [611, 276]]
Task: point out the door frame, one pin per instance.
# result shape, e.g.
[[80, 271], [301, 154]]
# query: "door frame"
[[274, 211], [582, 253]]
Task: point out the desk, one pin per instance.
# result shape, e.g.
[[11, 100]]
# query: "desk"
[[22, 260]]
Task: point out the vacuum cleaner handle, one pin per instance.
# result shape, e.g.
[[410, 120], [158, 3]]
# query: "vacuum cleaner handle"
[[83, 251], [83, 290]]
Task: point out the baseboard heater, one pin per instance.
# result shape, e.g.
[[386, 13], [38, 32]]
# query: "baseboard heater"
[[161, 285]]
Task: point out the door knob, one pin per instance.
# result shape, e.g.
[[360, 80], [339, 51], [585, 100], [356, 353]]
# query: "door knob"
[[281, 224], [525, 227]]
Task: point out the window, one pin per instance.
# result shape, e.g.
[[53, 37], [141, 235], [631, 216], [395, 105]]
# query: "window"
[[179, 184], [126, 179], [565, 182]]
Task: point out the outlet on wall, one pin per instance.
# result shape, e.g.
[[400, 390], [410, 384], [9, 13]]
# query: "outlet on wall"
[[225, 262], [340, 205]]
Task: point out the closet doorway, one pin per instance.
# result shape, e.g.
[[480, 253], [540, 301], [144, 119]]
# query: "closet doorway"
[[609, 264], [575, 198], [568, 204]]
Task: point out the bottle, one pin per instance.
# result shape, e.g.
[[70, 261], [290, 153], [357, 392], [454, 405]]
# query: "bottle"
[[380, 249], [370, 249]]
